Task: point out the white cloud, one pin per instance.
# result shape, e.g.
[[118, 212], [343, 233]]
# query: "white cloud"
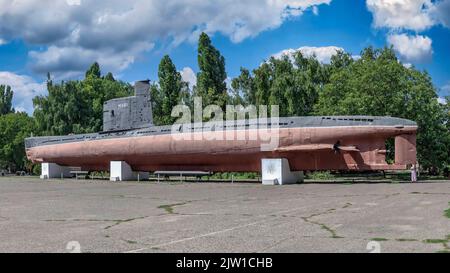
[[25, 89], [315, 10], [188, 75], [323, 54], [415, 15], [412, 48], [228, 82], [402, 14], [90, 30], [446, 89], [407, 65], [442, 101], [71, 62], [2, 42], [441, 12], [73, 2]]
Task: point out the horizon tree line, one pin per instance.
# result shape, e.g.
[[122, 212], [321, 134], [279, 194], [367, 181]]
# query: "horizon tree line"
[[376, 84]]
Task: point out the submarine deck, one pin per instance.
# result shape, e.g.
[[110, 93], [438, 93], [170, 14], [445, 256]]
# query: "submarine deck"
[[290, 122]]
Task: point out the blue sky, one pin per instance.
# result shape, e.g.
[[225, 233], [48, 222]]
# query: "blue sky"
[[130, 37]]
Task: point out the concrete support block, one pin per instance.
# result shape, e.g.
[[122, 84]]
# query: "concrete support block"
[[52, 170], [121, 171], [277, 172]]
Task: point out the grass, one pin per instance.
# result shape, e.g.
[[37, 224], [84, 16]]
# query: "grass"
[[347, 205], [435, 241], [379, 239], [389, 177], [447, 212], [406, 240], [118, 222], [320, 176], [444, 243], [330, 230], [170, 208], [235, 175]]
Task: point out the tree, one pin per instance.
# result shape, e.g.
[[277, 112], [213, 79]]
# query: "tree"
[[94, 71], [14, 128], [211, 84], [76, 106], [292, 85], [6, 96], [243, 88], [378, 84], [262, 83], [338, 62], [168, 94], [110, 77]]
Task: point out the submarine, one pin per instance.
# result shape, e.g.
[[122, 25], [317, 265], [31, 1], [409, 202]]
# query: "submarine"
[[310, 143]]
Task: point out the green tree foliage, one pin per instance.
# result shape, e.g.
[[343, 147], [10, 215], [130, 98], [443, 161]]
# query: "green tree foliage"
[[378, 84], [211, 84], [14, 128], [375, 84], [293, 85], [243, 88], [168, 94], [6, 95], [77, 106], [94, 71], [110, 77]]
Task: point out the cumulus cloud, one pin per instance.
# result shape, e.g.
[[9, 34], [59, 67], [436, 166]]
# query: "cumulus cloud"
[[446, 89], [442, 12], [407, 65], [70, 61], [73, 2], [442, 101], [116, 31], [412, 48], [323, 54], [36, 22], [315, 10], [413, 15], [188, 75], [402, 14], [25, 89]]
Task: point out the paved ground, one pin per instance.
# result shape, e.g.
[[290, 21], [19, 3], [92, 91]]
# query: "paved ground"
[[43, 216]]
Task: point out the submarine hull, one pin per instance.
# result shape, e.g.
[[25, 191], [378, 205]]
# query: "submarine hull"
[[360, 148]]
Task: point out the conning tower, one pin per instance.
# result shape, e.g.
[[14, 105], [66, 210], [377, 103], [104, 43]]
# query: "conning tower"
[[131, 112]]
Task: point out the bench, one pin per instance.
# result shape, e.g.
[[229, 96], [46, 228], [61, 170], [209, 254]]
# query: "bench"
[[181, 174], [78, 173]]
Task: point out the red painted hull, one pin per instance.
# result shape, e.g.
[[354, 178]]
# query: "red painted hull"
[[162, 152]]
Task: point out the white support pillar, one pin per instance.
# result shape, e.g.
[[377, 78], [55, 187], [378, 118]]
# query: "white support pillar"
[[52, 170], [277, 172], [121, 171]]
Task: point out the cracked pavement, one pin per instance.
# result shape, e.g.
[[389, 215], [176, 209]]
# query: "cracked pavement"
[[44, 216]]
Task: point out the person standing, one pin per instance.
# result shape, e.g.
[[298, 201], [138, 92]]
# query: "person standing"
[[413, 173]]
